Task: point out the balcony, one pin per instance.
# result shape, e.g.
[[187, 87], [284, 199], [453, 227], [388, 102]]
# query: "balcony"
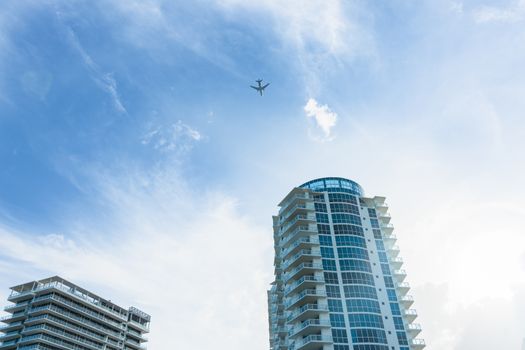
[[397, 262], [418, 343], [298, 232], [414, 329], [400, 275], [307, 311], [410, 315], [309, 326], [16, 307], [11, 344], [302, 208], [303, 269], [303, 219], [387, 228], [306, 281], [389, 240], [299, 198], [11, 326], [306, 296], [407, 301], [313, 341], [17, 316], [403, 288], [381, 207], [9, 336], [304, 255], [304, 242], [393, 251], [384, 217]]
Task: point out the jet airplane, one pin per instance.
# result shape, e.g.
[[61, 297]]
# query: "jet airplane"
[[259, 87]]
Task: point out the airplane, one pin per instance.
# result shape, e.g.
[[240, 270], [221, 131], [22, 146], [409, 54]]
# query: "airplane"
[[259, 87]]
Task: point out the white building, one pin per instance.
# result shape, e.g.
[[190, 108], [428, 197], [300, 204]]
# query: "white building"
[[338, 278]]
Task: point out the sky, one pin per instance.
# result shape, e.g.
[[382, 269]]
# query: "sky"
[[137, 162]]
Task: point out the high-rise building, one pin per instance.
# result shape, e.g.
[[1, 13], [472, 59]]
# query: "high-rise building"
[[54, 314], [338, 278]]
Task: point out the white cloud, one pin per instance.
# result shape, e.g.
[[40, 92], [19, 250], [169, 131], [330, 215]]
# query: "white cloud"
[[324, 118], [178, 137], [512, 13], [185, 256]]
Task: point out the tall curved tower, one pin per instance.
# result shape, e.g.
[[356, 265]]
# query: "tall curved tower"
[[338, 278]]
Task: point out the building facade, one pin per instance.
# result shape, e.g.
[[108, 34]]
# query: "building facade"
[[338, 278], [54, 314]]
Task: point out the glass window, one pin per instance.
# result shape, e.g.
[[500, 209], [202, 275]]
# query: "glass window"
[[385, 269], [357, 278], [351, 241], [365, 320], [389, 282], [382, 257], [344, 208], [329, 265], [360, 292], [398, 323], [325, 240], [320, 207], [372, 213], [402, 338], [333, 291], [344, 218], [339, 336], [377, 233], [331, 277], [342, 197], [348, 230], [323, 229], [321, 217], [368, 336], [363, 305], [375, 223], [395, 309], [391, 294], [354, 265], [337, 320], [380, 245], [372, 347], [353, 253], [335, 305], [327, 252]]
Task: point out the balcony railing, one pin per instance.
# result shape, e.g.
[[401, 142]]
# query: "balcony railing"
[[307, 307], [309, 323], [304, 240], [318, 338], [296, 232], [300, 254], [306, 265], [301, 280], [305, 293]]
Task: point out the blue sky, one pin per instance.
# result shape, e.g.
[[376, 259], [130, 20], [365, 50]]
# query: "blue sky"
[[132, 145]]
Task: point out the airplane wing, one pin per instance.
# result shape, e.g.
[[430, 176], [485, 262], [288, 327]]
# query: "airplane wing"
[[254, 87], [264, 87]]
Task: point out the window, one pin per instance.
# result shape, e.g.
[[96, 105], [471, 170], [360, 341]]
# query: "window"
[[339, 336], [325, 240], [337, 320], [320, 207], [327, 252], [371, 347], [363, 305], [380, 245], [368, 336], [333, 291], [385, 269], [323, 229], [335, 305], [372, 213], [344, 208], [377, 234], [329, 265], [382, 257], [357, 278], [351, 241], [348, 230], [398, 323], [365, 320], [318, 197], [402, 338], [341, 347], [389, 282], [342, 197], [344, 218], [331, 277], [354, 265], [391, 294], [352, 253], [375, 223], [360, 292], [321, 217], [395, 309]]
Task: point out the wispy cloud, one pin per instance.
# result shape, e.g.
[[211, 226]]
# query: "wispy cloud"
[[178, 137], [511, 13], [105, 80], [323, 117]]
